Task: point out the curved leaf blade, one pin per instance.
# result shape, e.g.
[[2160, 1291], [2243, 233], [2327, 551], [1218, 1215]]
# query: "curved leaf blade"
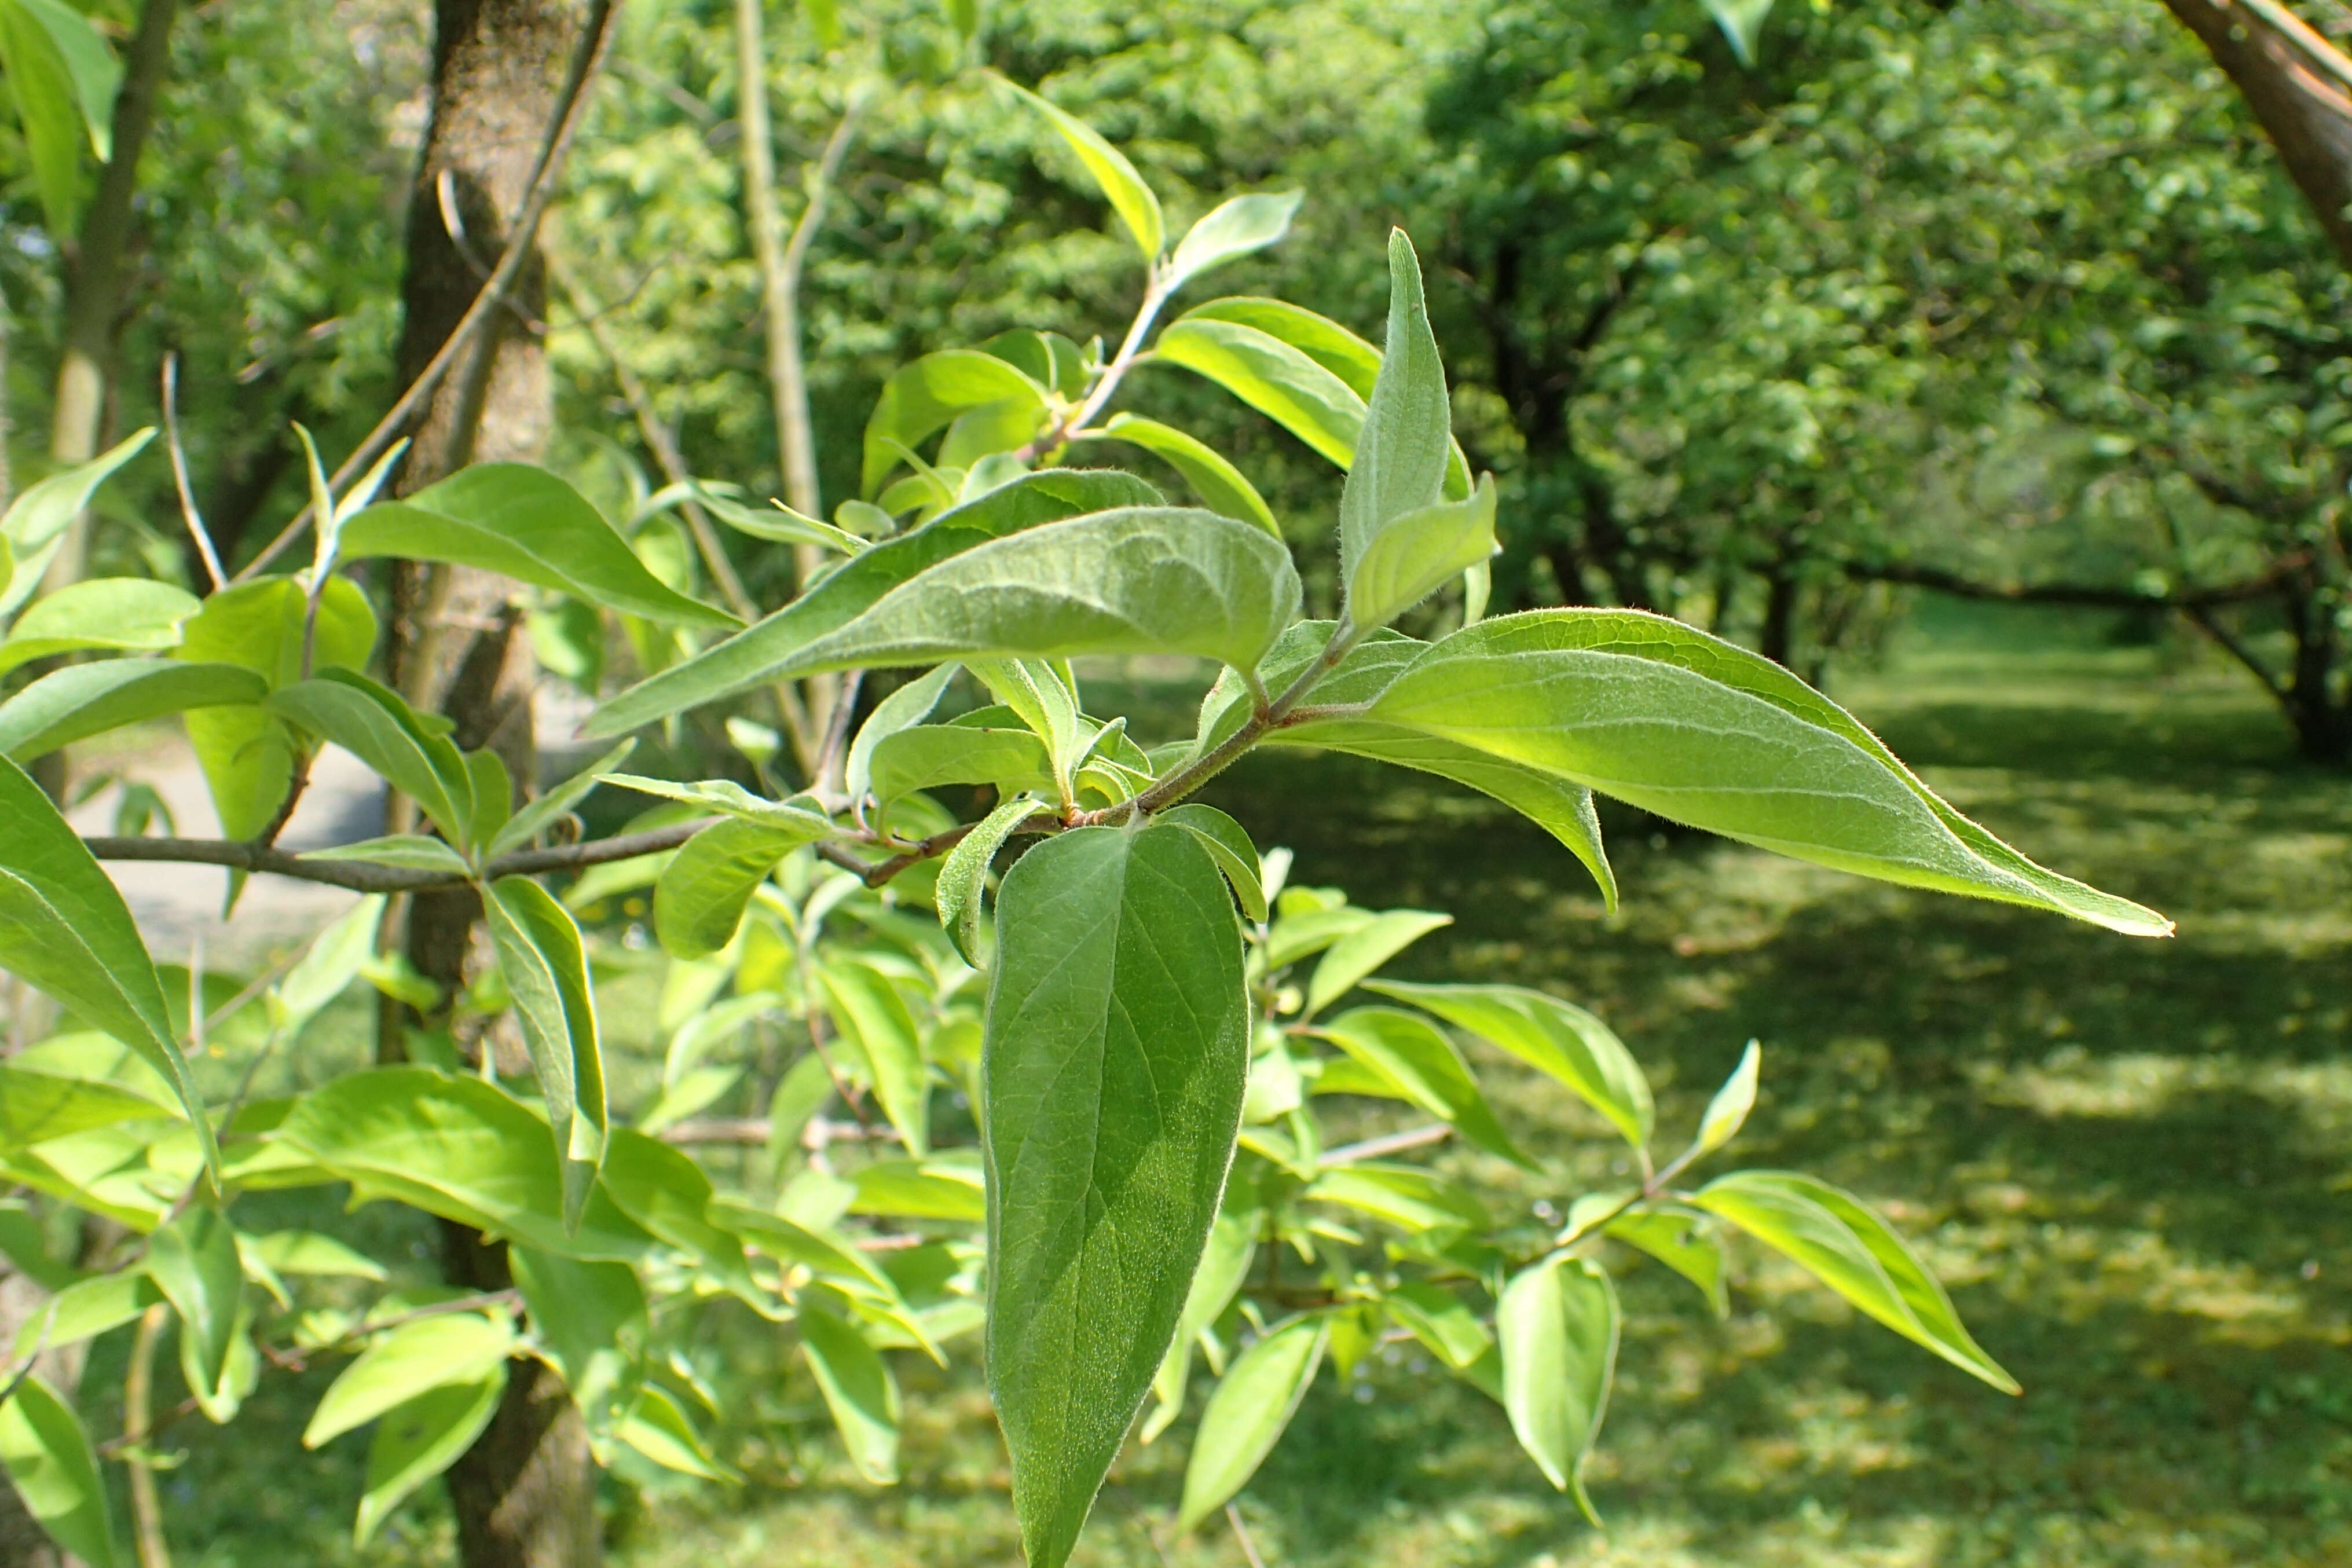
[[860, 1392], [1229, 230], [84, 700], [1115, 1052], [1554, 1037], [47, 1454], [1248, 1412], [417, 1440], [700, 895], [406, 1360], [1136, 207], [1222, 487], [1557, 1326], [1277, 380], [963, 876], [546, 970], [922, 397]]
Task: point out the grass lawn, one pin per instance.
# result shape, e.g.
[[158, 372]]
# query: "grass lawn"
[[2126, 1158]]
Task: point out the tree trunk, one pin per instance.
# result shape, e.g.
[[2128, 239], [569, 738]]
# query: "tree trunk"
[[2280, 68], [1777, 638], [525, 1492], [96, 274]]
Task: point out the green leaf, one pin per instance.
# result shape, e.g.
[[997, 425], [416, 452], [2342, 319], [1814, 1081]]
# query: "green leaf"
[[1140, 579], [416, 1441], [1551, 1036], [127, 614], [1232, 229], [334, 960], [1049, 359], [1444, 1325], [700, 896], [1670, 1233], [47, 1454], [1731, 1104], [1365, 949], [1115, 1056], [1224, 1265], [1558, 1324], [1853, 1251], [35, 1107], [65, 931], [1247, 1414], [1038, 693], [909, 1189], [925, 396], [85, 1310], [525, 523], [1228, 844], [929, 755], [1136, 207], [543, 813], [867, 1010], [1277, 380], [408, 851], [493, 790], [727, 797], [757, 654], [194, 1261], [908, 706], [1222, 487], [546, 973], [664, 1190], [375, 724], [36, 521], [963, 876], [306, 1252], [660, 1431], [84, 700], [1413, 1055], [1404, 1196], [859, 1390], [1701, 731], [456, 1147], [1399, 467], [590, 1319], [406, 1360], [1419, 552], [1742, 22], [90, 67], [1354, 362], [788, 1241]]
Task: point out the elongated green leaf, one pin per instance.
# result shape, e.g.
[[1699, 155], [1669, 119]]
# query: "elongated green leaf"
[[591, 1319], [406, 1360], [664, 1190], [333, 962], [1853, 1251], [700, 896], [36, 520], [1742, 22], [1247, 1414], [90, 67], [1354, 362], [924, 396], [868, 1009], [1554, 1037], [129, 614], [1398, 466], [963, 876], [408, 851], [456, 1147], [85, 1310], [1671, 1235], [306, 1252], [194, 1261], [543, 813], [798, 814], [1140, 579], [85, 700], [416, 1441], [35, 1107], [1701, 731], [859, 1390], [546, 972], [658, 1428], [1558, 1325], [1415, 1056], [758, 653], [902, 709], [1277, 380], [1232, 229], [375, 724], [66, 930], [1136, 207], [1222, 488], [929, 755], [43, 90], [525, 523], [909, 1189], [1115, 1054], [1731, 1104], [1442, 1321], [789, 1241], [1365, 949], [47, 1454], [1228, 844], [1044, 699], [1224, 1265], [1419, 552], [1404, 1196]]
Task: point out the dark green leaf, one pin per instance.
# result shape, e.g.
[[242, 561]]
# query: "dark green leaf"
[[66, 930], [546, 972], [1228, 844], [1116, 1050], [929, 755], [964, 875], [1398, 462], [906, 706], [525, 523], [1224, 1265], [373, 723]]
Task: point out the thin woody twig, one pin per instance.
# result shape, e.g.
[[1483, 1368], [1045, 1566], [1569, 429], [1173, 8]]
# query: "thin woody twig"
[[361, 877], [188, 511]]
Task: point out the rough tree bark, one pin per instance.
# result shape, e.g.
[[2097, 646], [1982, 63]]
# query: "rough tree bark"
[[524, 1493]]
